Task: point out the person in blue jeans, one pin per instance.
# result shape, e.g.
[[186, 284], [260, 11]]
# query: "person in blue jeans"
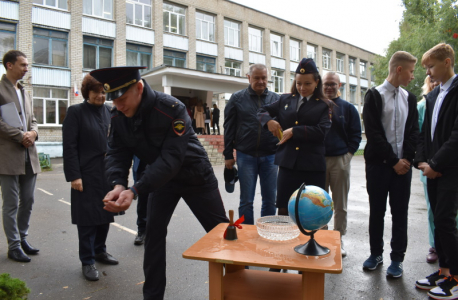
[[254, 144]]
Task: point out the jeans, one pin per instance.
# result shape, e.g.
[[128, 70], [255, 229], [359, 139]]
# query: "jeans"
[[249, 167]]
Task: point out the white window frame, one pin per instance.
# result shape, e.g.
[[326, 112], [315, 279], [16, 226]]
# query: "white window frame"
[[144, 7], [7, 30], [326, 59], [312, 54], [206, 21], [255, 39], [351, 66], [276, 45], [362, 69], [181, 18], [340, 63], [363, 93], [277, 76], [353, 99], [106, 13], [294, 50], [56, 4], [236, 71], [232, 28], [50, 99], [343, 92]]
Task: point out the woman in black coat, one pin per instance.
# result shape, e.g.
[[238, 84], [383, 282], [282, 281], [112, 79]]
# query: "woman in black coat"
[[302, 120], [84, 133]]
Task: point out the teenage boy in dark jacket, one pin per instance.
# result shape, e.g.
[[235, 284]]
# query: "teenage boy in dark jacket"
[[255, 145], [391, 122], [437, 158]]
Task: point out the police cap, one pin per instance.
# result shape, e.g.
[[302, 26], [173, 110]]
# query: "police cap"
[[117, 80], [306, 66]]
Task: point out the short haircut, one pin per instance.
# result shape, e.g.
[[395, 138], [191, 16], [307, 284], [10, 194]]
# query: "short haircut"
[[90, 84], [400, 58], [333, 74], [440, 52], [11, 57], [257, 67]]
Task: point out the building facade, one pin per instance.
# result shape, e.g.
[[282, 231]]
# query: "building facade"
[[195, 50]]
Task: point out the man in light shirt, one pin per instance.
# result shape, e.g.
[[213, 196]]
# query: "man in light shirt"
[[391, 123]]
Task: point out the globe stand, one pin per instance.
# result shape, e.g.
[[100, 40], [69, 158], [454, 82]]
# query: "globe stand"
[[311, 248]]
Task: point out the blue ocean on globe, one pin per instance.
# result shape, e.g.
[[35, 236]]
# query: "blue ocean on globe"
[[315, 207]]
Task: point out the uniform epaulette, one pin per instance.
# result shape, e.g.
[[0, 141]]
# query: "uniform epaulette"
[[170, 102]]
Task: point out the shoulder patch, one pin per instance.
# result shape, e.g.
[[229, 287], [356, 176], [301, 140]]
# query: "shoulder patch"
[[179, 126]]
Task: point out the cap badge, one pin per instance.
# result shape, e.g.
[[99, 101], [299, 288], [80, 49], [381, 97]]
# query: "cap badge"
[[106, 87], [302, 70]]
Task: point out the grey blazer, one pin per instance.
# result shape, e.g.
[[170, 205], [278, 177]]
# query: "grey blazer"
[[12, 152]]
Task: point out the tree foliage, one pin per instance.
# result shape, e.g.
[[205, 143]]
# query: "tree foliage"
[[12, 288], [425, 24]]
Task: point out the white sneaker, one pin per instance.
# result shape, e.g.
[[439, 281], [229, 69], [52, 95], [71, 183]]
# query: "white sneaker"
[[342, 250]]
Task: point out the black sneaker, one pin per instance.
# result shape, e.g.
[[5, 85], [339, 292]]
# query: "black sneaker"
[[430, 281], [448, 289]]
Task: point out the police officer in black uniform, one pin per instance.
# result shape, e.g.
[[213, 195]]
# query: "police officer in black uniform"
[[301, 122], [157, 129]]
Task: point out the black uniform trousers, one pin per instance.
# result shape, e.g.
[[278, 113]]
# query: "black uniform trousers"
[[142, 203], [443, 196], [215, 124], [92, 241], [208, 208], [288, 181], [382, 181]]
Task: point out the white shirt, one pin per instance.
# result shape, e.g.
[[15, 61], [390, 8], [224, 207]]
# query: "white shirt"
[[437, 106], [395, 109], [22, 115]]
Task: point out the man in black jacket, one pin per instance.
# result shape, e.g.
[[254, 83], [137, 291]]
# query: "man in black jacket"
[[391, 123], [157, 129], [255, 145], [437, 158]]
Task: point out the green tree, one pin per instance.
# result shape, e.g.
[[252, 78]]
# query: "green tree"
[[12, 288], [425, 24]]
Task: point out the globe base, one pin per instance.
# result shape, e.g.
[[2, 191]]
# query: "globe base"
[[312, 248]]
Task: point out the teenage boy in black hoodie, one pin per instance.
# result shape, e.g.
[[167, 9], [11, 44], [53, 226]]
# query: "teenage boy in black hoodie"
[[437, 158], [391, 122]]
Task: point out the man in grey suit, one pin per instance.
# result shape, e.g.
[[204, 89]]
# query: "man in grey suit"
[[19, 162]]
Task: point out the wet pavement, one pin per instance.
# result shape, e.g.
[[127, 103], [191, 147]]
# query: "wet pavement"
[[55, 273]]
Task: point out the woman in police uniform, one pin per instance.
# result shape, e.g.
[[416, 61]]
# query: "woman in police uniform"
[[302, 120]]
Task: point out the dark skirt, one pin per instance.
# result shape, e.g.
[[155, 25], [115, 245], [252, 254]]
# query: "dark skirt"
[[288, 181]]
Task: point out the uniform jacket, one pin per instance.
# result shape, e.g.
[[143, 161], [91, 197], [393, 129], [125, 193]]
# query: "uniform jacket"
[[84, 134], [378, 150], [242, 130], [305, 150], [441, 152], [13, 153], [345, 133], [159, 134]]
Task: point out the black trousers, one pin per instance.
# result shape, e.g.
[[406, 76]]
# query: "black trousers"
[[382, 181], [207, 128], [443, 196], [92, 241], [142, 203], [208, 208], [215, 124]]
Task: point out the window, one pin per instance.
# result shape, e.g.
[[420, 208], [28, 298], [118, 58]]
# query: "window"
[[98, 8], [326, 59], [276, 45], [231, 33], [97, 53], [311, 52], [50, 105], [353, 94], [255, 39], [351, 66], [206, 64], [62, 4], [138, 12], [174, 58], [363, 93], [174, 18], [139, 56], [277, 81], [233, 68], [292, 76], [50, 47], [7, 38], [342, 92], [294, 50], [362, 69], [340, 62], [205, 27]]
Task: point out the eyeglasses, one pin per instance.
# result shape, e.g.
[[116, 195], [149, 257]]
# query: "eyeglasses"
[[331, 85]]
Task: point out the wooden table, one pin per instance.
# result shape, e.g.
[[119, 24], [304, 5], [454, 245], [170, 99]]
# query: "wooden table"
[[252, 250]]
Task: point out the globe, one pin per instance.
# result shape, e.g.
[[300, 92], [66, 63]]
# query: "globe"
[[315, 207]]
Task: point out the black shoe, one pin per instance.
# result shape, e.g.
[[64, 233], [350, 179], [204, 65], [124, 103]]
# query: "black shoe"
[[29, 249], [18, 255], [139, 239], [106, 258], [90, 272]]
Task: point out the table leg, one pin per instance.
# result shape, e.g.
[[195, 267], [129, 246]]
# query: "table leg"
[[216, 287], [312, 286], [233, 268]]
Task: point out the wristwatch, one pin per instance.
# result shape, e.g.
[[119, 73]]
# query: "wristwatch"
[[134, 191]]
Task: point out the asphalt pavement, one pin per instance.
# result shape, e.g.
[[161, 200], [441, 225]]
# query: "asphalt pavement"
[[55, 273]]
